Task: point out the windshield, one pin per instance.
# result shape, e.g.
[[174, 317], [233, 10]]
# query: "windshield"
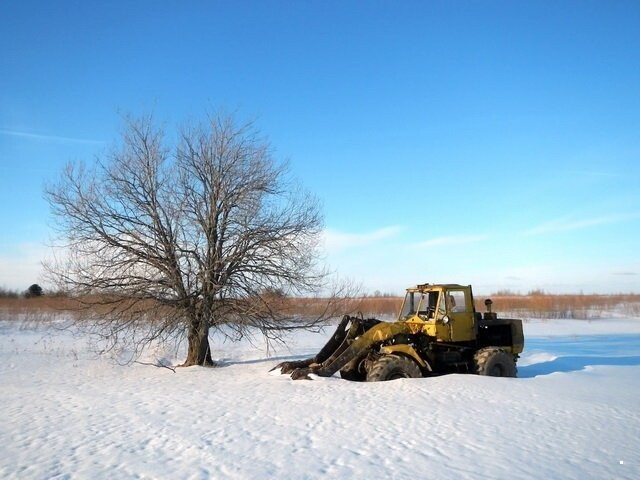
[[411, 303], [417, 303]]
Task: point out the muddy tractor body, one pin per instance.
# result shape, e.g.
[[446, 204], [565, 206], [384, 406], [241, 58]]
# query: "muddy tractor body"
[[438, 331]]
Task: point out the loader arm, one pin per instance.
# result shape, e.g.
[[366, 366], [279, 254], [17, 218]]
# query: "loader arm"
[[346, 332], [353, 346]]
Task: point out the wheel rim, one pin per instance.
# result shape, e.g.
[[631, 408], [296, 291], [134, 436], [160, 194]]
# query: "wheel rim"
[[496, 371]]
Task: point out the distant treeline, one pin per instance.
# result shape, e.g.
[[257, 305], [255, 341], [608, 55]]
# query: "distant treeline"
[[536, 304]]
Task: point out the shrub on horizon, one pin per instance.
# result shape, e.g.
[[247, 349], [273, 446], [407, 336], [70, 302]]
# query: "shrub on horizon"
[[34, 290]]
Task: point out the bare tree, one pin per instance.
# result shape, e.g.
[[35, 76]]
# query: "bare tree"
[[166, 240]]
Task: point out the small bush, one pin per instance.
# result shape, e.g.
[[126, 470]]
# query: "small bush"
[[34, 290], [537, 292]]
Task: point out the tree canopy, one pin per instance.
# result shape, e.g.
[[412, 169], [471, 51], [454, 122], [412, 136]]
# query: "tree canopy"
[[174, 238]]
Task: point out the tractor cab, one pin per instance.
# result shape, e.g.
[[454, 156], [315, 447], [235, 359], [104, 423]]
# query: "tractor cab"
[[447, 310]]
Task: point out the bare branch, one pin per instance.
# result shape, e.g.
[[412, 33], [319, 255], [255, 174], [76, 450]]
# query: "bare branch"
[[158, 364]]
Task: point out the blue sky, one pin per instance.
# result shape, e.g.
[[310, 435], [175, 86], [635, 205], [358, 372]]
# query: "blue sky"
[[492, 143]]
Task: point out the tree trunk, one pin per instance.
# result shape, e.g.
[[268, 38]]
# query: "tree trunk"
[[199, 352]]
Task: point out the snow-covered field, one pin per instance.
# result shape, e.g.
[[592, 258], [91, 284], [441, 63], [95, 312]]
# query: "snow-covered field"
[[574, 412]]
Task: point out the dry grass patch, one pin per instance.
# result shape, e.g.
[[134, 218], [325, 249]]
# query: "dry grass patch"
[[576, 306]]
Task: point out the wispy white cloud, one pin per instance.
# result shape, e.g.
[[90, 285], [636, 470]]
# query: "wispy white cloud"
[[450, 240], [336, 241], [596, 173], [48, 138], [563, 224]]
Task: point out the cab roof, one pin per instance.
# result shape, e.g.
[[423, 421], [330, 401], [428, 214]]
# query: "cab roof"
[[427, 287]]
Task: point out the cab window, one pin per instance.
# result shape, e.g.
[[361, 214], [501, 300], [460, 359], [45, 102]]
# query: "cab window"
[[457, 300], [429, 304]]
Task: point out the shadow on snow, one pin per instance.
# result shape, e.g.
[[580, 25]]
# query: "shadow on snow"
[[226, 362], [575, 353]]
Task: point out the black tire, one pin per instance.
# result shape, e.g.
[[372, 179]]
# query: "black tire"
[[495, 362], [353, 374], [391, 367]]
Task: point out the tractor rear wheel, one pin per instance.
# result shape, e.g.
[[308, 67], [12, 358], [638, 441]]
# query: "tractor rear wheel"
[[495, 362], [390, 367]]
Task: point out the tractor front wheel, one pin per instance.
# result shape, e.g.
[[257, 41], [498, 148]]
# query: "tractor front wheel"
[[352, 374], [391, 367], [495, 362]]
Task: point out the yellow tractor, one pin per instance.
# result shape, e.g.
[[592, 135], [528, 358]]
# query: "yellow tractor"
[[438, 331]]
